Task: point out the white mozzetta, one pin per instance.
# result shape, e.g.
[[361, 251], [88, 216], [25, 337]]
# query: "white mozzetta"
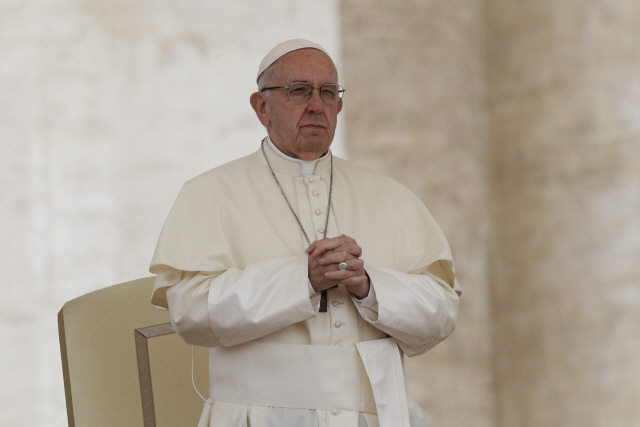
[[233, 259]]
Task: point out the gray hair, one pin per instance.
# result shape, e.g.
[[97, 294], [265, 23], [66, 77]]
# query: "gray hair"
[[265, 78]]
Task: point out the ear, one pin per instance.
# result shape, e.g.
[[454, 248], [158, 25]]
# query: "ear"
[[259, 105], [339, 106]]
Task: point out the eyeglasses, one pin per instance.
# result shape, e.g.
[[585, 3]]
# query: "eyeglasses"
[[302, 92]]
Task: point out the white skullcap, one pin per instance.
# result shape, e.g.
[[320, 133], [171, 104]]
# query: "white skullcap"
[[284, 48]]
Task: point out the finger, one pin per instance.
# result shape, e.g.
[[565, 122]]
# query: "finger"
[[350, 247], [331, 243], [353, 264], [355, 281], [346, 276], [334, 258], [353, 267], [318, 251], [320, 246], [312, 247]]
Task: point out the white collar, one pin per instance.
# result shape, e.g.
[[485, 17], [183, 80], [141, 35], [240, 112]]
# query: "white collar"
[[307, 167]]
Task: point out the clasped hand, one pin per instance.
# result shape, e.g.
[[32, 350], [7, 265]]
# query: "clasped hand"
[[324, 257]]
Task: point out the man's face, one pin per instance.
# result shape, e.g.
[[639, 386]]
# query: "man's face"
[[300, 130]]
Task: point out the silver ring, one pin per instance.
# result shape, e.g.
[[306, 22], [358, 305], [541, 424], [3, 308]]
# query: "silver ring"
[[342, 266]]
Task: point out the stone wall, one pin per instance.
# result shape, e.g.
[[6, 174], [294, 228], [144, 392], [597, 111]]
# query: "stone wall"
[[564, 80], [416, 110], [518, 124]]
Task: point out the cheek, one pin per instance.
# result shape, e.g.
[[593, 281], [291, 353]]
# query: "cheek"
[[333, 119]]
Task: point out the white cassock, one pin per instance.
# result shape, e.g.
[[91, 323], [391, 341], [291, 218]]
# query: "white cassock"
[[232, 267]]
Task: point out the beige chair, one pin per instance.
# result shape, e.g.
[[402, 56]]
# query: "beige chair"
[[123, 364]]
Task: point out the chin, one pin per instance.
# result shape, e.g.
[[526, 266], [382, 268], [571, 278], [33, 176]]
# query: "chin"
[[313, 148], [314, 141]]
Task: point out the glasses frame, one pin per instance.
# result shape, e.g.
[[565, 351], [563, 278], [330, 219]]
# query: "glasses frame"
[[341, 91]]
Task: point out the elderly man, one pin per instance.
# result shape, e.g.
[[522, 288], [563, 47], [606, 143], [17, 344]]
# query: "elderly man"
[[308, 277]]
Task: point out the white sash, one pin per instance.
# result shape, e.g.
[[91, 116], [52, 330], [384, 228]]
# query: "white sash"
[[367, 378]]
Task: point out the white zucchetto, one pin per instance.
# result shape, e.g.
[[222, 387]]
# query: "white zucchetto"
[[284, 48]]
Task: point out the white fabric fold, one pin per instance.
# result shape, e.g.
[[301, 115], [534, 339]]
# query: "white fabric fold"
[[383, 363], [420, 296], [206, 413], [291, 376], [366, 378], [240, 312]]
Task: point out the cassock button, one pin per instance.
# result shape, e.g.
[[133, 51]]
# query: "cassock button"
[[315, 193], [335, 303], [318, 211], [320, 230], [310, 179], [335, 412], [338, 324]]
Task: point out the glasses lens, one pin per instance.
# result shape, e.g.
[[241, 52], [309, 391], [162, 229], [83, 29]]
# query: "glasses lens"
[[299, 92], [302, 92], [331, 93]]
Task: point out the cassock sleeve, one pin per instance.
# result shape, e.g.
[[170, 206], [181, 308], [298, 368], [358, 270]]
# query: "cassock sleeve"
[[418, 310], [211, 299], [241, 305]]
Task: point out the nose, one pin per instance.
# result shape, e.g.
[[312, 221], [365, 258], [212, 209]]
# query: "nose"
[[315, 103]]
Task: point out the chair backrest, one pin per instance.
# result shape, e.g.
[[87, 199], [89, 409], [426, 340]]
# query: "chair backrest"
[[123, 364]]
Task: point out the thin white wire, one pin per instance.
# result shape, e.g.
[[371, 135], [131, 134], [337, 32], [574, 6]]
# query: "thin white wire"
[[193, 381]]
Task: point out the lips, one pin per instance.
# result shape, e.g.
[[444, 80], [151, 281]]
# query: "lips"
[[314, 126]]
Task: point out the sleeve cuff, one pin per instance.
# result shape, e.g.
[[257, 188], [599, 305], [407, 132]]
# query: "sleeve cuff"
[[312, 291], [370, 301]]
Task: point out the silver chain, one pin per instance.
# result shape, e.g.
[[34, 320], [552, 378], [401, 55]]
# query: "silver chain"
[[326, 222]]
